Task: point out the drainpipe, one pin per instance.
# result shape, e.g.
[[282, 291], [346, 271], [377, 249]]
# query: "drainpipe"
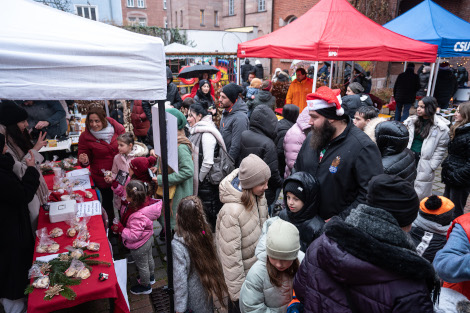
[[244, 13]]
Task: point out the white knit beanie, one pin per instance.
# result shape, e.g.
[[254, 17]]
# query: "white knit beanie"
[[253, 171], [282, 241]]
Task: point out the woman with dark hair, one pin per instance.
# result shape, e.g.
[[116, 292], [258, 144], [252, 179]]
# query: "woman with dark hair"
[[206, 140], [456, 167], [203, 94], [290, 112], [204, 76], [97, 147], [429, 136], [16, 235], [13, 125]]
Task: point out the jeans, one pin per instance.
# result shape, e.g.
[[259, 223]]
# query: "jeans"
[[406, 111], [458, 196]]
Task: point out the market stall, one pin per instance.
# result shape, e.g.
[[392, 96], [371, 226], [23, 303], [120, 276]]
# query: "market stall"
[[54, 55], [333, 30], [429, 22]]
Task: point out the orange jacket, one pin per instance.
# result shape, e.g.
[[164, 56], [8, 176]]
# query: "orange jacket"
[[298, 91]]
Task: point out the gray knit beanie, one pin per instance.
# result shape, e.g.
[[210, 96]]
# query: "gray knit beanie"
[[282, 241], [253, 171]]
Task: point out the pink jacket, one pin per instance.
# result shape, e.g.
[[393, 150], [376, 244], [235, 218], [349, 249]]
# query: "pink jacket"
[[294, 139], [139, 226]]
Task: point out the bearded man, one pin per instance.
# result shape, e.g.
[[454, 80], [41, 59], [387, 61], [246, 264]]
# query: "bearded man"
[[339, 154]]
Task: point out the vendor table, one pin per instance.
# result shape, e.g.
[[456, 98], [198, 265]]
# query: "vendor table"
[[91, 288]]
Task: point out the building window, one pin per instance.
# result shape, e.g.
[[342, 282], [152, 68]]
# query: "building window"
[[216, 18], [141, 3], [261, 5], [165, 22], [132, 20], [231, 7], [87, 11], [181, 18], [130, 3], [201, 17], [142, 21], [164, 4], [175, 24]]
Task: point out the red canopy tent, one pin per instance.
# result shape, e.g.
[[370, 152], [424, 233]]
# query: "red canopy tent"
[[334, 30]]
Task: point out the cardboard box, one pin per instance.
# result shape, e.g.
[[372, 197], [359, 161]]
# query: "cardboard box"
[[62, 211], [52, 143]]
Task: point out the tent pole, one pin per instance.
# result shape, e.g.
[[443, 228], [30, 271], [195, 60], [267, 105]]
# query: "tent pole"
[[238, 71], [166, 200], [431, 77], [332, 71], [404, 68], [351, 77], [106, 106], [435, 76], [314, 85]]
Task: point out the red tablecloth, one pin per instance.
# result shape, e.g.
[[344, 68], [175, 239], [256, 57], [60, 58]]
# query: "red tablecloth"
[[91, 288]]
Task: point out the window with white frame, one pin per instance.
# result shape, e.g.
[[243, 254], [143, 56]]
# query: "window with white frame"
[[231, 7], [141, 3], [142, 21], [130, 3], [164, 4], [87, 11], [132, 20], [216, 18], [261, 5]]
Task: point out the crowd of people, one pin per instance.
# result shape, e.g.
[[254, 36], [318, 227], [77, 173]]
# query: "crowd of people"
[[357, 227]]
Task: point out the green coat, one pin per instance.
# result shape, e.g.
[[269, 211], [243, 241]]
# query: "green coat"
[[183, 180]]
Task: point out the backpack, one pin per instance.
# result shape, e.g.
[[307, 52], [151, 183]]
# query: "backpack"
[[223, 165]]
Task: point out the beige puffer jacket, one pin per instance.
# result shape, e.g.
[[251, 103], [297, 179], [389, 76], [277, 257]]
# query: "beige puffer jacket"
[[237, 233]]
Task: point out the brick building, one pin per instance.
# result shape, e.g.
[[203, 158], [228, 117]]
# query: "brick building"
[[187, 14], [144, 12]]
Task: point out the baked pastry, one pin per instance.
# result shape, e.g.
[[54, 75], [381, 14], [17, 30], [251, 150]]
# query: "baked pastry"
[[93, 246], [53, 248], [88, 194], [41, 249], [84, 273], [41, 282], [71, 232], [56, 232], [77, 254], [71, 272], [79, 243]]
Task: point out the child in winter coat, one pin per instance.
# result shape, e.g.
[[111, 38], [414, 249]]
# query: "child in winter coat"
[[136, 229], [301, 200], [197, 271], [268, 285], [253, 90]]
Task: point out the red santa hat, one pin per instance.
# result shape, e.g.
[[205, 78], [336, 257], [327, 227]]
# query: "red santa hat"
[[325, 98]]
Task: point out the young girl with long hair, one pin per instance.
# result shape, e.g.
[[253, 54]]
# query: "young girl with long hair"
[[197, 272], [268, 285], [136, 230], [429, 135], [240, 221], [456, 167]]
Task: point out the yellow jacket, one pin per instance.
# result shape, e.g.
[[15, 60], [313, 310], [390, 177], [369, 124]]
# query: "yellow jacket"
[[298, 91]]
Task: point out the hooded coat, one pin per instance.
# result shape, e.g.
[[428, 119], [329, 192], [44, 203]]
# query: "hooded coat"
[[423, 84], [262, 97], [392, 138], [298, 91], [172, 92], [294, 139], [406, 86], [259, 140], [432, 152], [259, 71], [237, 233], [344, 172], [281, 130], [341, 269], [307, 221], [246, 69], [233, 122], [352, 103], [446, 87], [456, 167], [139, 119], [15, 229], [100, 153]]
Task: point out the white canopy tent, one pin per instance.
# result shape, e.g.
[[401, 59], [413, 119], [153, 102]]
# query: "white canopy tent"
[[47, 54]]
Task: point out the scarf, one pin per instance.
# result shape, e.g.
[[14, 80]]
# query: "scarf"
[[105, 134], [430, 226]]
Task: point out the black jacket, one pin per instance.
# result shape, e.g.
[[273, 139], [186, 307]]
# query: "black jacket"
[[462, 76], [259, 71], [259, 140], [423, 84], [173, 95], [406, 86], [262, 97], [16, 235], [307, 221], [456, 167], [349, 162], [446, 87], [282, 127], [147, 107], [353, 102], [246, 69], [392, 138]]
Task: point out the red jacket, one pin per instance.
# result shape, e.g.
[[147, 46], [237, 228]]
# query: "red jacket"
[[100, 153], [139, 119]]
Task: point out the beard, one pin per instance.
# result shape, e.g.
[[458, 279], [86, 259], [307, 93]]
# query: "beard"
[[322, 136]]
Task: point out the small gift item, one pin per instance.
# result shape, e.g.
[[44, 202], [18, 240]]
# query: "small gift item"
[[103, 276], [84, 273], [88, 194], [41, 282], [46, 244], [75, 253], [56, 232], [53, 248], [38, 271], [41, 248], [71, 232], [93, 246], [107, 173], [77, 243], [74, 268]]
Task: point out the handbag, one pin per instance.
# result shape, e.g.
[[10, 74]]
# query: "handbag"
[[223, 165]]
